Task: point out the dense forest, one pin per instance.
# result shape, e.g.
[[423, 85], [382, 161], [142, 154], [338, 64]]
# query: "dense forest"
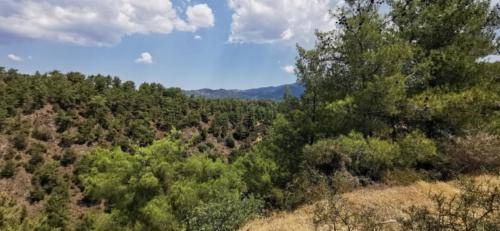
[[389, 98]]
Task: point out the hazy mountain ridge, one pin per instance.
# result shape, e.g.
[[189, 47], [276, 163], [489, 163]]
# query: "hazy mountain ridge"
[[269, 93]]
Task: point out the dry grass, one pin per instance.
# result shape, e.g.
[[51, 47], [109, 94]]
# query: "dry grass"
[[390, 203]]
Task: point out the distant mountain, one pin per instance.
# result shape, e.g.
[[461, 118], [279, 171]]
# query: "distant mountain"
[[269, 93]]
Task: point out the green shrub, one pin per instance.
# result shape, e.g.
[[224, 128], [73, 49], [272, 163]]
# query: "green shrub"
[[230, 143], [47, 176], [68, 157], [33, 163], [225, 215], [166, 183], [41, 134], [55, 208], [416, 149], [203, 134], [369, 157], [343, 181], [327, 156], [36, 194], [8, 169], [241, 132], [9, 154], [12, 214], [19, 141], [37, 149], [257, 173]]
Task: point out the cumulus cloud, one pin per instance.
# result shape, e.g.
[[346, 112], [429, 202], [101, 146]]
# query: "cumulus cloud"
[[289, 69], [198, 16], [14, 57], [197, 37], [97, 22], [270, 21], [145, 58]]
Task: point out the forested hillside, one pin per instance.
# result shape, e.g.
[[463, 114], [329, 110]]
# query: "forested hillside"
[[264, 93], [390, 99], [49, 121]]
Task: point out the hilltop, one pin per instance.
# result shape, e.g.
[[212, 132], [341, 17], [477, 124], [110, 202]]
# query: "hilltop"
[[265, 93]]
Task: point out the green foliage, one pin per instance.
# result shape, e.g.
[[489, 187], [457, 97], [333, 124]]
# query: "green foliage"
[[416, 148], [161, 188], [37, 149], [46, 177], [371, 157], [35, 160], [387, 96], [19, 141], [386, 92], [100, 109], [41, 134], [230, 143], [56, 209], [257, 171], [8, 169], [227, 214], [12, 215]]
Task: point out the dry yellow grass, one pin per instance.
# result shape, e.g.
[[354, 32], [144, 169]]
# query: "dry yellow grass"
[[390, 203]]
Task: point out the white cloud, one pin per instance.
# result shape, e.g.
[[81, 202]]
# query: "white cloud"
[[289, 69], [198, 16], [490, 59], [145, 58], [97, 22], [198, 37], [14, 57], [270, 21]]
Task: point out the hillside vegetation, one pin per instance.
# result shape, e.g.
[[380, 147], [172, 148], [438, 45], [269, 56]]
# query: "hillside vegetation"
[[390, 99], [385, 204]]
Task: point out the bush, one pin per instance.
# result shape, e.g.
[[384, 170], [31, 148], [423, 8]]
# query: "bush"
[[225, 215], [479, 152], [343, 181], [326, 156], [68, 157], [35, 160], [36, 194], [37, 149], [476, 207], [370, 157], [337, 213], [416, 149], [56, 208], [8, 169], [230, 143], [404, 177], [46, 176], [19, 141], [241, 132], [41, 134], [257, 173], [12, 214]]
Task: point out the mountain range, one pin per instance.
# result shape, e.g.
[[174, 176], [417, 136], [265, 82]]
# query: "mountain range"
[[265, 93]]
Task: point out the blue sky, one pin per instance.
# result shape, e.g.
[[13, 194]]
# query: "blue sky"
[[237, 44], [192, 44]]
